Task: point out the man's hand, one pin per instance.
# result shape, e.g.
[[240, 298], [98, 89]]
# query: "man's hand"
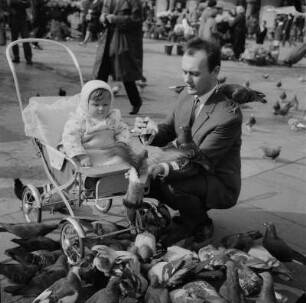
[[156, 170], [145, 126], [85, 161], [110, 18], [103, 19]]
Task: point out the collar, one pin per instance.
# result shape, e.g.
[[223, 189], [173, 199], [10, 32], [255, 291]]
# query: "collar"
[[203, 99]]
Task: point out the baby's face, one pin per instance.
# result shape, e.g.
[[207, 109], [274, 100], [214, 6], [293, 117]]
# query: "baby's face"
[[99, 104]]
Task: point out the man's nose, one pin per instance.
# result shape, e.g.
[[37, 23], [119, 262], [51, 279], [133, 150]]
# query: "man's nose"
[[100, 107], [187, 78]]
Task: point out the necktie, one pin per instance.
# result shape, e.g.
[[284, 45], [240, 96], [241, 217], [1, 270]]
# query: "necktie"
[[194, 111]]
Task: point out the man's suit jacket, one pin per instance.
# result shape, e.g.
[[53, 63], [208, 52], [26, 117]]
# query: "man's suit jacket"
[[217, 132]]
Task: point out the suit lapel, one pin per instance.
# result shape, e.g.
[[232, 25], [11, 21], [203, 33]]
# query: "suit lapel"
[[204, 114]]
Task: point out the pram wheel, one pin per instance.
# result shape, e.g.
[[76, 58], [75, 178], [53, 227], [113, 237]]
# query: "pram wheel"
[[72, 242], [31, 204], [104, 205]]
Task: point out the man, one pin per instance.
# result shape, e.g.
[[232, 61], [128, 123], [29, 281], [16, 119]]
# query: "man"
[[19, 26], [216, 131], [120, 50]]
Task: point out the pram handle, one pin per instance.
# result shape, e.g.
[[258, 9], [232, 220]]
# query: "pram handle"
[[30, 40]]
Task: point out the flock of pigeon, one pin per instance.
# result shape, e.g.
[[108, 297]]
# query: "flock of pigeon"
[[117, 270]]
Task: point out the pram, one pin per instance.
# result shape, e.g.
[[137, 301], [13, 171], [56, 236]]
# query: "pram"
[[70, 186]]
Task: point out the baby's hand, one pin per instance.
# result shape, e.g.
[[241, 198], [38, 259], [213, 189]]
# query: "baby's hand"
[[85, 161]]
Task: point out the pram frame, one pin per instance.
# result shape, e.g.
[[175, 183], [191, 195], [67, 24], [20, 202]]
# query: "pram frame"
[[71, 221]]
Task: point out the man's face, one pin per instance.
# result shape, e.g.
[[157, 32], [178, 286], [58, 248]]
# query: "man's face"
[[197, 76]]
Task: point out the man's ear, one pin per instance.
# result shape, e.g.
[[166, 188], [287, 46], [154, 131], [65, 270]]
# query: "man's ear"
[[216, 71]]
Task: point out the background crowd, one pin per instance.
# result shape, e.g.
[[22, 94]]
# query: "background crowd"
[[63, 19]]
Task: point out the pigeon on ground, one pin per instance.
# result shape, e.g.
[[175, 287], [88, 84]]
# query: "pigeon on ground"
[[241, 241], [221, 80], [18, 273], [294, 102], [271, 152], [178, 88], [267, 294], [41, 258], [279, 84], [241, 94], [156, 293], [28, 230], [38, 243], [246, 84], [62, 92], [19, 188], [278, 248], [276, 108], [266, 76], [110, 294], [231, 289], [250, 122], [63, 290], [42, 280], [284, 110]]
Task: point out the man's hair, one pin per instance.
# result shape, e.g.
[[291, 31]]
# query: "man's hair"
[[211, 49]]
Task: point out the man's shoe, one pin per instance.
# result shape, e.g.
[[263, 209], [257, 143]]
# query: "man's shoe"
[[135, 110], [203, 236], [29, 62], [16, 60]]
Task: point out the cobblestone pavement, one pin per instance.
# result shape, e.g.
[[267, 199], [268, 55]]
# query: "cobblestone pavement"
[[272, 191]]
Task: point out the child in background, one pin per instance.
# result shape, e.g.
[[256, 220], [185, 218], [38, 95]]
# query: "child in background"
[[95, 133]]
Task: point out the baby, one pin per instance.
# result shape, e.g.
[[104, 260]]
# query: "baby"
[[95, 133]]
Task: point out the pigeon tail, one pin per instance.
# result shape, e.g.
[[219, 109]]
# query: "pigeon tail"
[[19, 188]]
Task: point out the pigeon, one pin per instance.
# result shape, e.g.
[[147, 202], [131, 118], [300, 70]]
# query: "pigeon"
[[221, 80], [61, 92], [294, 102], [276, 108], [38, 243], [250, 122], [19, 188], [241, 241], [302, 79], [241, 94], [279, 84], [284, 110], [266, 76], [18, 273], [28, 230], [42, 280], [178, 89], [278, 248], [110, 294], [231, 289], [271, 152], [156, 293], [246, 84], [63, 290], [41, 258], [267, 294]]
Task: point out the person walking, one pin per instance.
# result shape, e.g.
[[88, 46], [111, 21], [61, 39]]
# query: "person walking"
[[239, 32], [261, 33], [19, 26], [120, 49], [212, 179]]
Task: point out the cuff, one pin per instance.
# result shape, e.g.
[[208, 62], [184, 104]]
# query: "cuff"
[[166, 169]]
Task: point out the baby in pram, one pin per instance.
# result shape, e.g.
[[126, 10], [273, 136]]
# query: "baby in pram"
[[95, 134]]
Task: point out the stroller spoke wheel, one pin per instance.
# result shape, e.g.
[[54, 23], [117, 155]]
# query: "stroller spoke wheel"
[[31, 205], [72, 244]]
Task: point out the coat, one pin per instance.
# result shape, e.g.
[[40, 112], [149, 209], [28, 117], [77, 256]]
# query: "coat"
[[217, 132], [122, 41]]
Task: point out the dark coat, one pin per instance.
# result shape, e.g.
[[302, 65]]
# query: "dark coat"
[[239, 32], [122, 41], [217, 132]]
